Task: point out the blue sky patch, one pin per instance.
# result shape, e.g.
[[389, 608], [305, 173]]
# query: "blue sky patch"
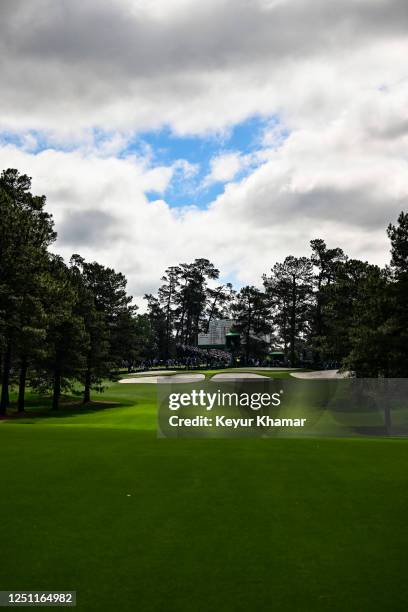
[[190, 185], [244, 139]]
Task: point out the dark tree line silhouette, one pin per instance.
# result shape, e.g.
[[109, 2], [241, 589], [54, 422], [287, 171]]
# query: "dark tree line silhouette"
[[64, 324]]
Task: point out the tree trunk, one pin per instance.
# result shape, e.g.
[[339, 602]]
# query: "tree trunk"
[[5, 379], [387, 418], [22, 384], [168, 311], [57, 389], [180, 329], [387, 409], [248, 336], [211, 314], [319, 318], [87, 387], [292, 332]]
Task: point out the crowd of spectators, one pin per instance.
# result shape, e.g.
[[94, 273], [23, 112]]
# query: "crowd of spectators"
[[186, 357]]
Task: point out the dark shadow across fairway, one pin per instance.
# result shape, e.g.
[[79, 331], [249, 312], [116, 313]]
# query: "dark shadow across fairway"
[[40, 408]]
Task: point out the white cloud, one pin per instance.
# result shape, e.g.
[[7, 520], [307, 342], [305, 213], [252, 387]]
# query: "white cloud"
[[195, 66], [332, 72], [187, 169], [224, 168]]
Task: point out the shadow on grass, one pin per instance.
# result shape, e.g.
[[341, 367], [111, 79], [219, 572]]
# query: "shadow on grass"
[[41, 408]]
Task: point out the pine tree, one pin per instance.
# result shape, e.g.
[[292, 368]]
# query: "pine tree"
[[289, 290], [106, 311], [26, 231], [251, 313]]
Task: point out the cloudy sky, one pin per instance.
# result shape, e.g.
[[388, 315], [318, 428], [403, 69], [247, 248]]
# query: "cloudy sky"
[[238, 130]]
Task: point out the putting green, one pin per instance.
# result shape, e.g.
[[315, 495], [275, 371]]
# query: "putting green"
[[92, 501]]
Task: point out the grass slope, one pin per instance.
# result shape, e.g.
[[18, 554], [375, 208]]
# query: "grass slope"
[[92, 501]]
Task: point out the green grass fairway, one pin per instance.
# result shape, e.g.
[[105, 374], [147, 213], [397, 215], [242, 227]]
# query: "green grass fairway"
[[92, 501]]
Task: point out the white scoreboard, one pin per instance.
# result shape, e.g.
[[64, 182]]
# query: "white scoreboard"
[[217, 332]]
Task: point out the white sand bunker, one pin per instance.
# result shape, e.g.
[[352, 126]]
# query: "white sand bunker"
[[141, 379], [321, 375], [179, 378], [236, 376]]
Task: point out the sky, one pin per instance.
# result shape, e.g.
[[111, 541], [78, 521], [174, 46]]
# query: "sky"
[[237, 130]]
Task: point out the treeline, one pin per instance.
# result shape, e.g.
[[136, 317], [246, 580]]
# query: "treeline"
[[323, 309], [63, 324], [60, 324]]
